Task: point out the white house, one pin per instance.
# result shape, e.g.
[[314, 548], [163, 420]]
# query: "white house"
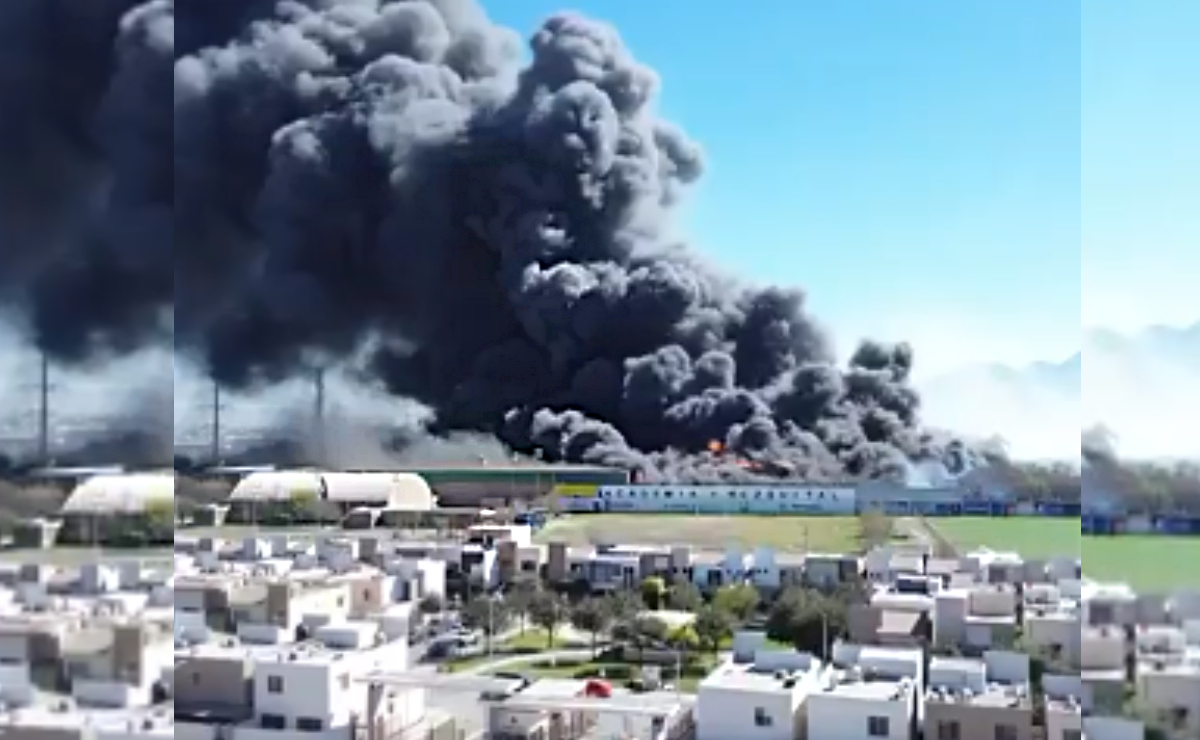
[[312, 689], [762, 700], [875, 697]]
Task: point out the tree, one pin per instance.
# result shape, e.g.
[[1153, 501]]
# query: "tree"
[[684, 640], [159, 517], [712, 626], [548, 611], [875, 529], [684, 596], [518, 599], [431, 604], [593, 616], [624, 605], [808, 619], [654, 593], [648, 630], [739, 601], [683, 637], [486, 614]]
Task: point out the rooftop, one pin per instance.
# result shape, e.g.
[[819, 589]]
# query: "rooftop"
[[157, 722]]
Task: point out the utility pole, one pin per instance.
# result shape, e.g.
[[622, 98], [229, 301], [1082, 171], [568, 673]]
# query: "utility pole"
[[43, 444], [319, 413], [215, 439]]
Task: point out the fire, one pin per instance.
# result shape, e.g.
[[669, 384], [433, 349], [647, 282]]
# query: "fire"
[[715, 447]]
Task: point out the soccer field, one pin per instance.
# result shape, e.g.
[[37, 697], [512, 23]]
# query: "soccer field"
[[1031, 537], [827, 534]]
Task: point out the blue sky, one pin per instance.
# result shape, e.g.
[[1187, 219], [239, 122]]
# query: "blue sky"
[[915, 165], [1141, 162]]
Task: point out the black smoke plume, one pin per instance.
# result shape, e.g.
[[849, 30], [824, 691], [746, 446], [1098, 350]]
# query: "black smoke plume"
[[397, 174]]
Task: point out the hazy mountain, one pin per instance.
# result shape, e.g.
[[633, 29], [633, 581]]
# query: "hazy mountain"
[[1144, 386]]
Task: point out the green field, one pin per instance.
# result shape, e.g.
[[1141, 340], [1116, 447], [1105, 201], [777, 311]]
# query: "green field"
[[827, 534], [1152, 563], [1031, 537]]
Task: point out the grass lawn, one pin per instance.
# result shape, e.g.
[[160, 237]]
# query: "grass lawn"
[[1151, 563], [1031, 537], [531, 642], [817, 534]]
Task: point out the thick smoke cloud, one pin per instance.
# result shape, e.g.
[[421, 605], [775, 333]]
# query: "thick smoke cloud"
[[85, 181], [397, 174]]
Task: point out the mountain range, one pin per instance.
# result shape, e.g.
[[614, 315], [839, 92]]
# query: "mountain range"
[[1144, 386]]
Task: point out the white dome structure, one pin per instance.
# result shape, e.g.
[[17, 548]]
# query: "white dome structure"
[[121, 494], [397, 491]]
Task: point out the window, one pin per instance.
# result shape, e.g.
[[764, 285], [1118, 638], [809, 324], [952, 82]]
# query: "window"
[[275, 684], [878, 727], [309, 724], [949, 731], [761, 718], [1006, 732], [272, 721], [1072, 735]]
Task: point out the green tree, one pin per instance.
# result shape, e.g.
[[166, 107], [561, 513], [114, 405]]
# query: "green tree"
[[519, 599], [648, 631], [808, 619], [593, 616], [486, 614], [159, 517], [685, 641], [739, 601], [712, 627], [624, 606], [549, 611], [684, 596], [431, 604], [875, 529], [654, 593]]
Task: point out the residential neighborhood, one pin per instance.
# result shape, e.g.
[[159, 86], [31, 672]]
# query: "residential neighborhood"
[[372, 634]]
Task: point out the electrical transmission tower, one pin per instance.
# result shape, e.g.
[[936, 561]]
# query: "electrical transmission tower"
[[32, 426]]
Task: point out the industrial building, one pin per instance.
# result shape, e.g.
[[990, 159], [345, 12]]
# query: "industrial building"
[[120, 509], [471, 486], [298, 495], [500, 485]]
